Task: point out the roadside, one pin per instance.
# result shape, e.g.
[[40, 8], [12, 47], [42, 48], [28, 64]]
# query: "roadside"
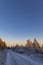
[[3, 56]]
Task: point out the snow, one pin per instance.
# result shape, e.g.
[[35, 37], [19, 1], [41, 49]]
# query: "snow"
[[14, 58], [3, 56]]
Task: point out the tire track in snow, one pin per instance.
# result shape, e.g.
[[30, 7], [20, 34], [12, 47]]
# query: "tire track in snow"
[[10, 59]]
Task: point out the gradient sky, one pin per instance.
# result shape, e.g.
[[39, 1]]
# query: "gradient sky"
[[21, 19]]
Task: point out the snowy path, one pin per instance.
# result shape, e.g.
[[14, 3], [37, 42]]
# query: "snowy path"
[[14, 58]]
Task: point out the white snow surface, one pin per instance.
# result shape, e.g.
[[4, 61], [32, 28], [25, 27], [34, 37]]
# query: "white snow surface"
[[14, 58]]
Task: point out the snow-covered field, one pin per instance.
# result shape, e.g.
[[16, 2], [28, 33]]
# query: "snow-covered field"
[[14, 58], [9, 57]]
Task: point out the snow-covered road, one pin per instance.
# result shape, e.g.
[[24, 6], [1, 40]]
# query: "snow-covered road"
[[14, 58]]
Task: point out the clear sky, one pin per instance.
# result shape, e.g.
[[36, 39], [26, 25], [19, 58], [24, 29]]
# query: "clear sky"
[[21, 19]]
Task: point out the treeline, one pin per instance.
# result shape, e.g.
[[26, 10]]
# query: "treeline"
[[34, 45], [2, 44], [29, 48]]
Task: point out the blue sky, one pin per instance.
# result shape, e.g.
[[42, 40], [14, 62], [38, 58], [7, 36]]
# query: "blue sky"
[[21, 19]]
